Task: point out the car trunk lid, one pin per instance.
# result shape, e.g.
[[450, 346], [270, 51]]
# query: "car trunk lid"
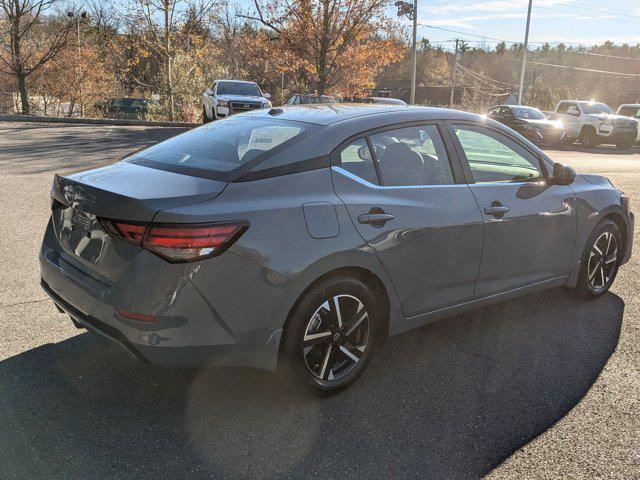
[[121, 191]]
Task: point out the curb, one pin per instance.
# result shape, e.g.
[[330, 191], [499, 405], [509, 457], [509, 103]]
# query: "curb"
[[92, 121]]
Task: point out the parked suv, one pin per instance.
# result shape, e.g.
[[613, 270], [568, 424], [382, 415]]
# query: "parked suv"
[[594, 123], [630, 110], [227, 97], [529, 122]]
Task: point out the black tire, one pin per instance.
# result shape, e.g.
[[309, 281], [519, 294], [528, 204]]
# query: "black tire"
[[205, 119], [319, 363], [588, 137], [624, 146], [598, 271]]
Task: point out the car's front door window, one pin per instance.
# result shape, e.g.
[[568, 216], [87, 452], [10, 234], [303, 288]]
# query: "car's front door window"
[[493, 157]]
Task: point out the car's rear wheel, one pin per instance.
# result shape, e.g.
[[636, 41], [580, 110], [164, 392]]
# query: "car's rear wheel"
[[589, 138], [624, 146], [600, 260], [331, 335]]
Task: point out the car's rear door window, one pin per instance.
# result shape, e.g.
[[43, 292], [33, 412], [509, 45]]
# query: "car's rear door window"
[[494, 157], [356, 159], [413, 155]]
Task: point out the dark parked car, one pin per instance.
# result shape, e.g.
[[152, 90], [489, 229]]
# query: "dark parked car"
[[125, 107], [310, 98], [300, 238], [529, 122]]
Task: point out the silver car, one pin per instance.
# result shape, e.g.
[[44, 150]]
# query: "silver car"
[[296, 239]]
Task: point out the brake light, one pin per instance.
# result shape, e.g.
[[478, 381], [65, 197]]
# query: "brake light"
[[179, 242]]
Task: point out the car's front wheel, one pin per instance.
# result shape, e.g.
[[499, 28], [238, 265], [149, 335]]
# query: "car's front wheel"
[[600, 260], [205, 118], [589, 137], [331, 335]]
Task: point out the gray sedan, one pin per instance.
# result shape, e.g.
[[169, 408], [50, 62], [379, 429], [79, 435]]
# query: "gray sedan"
[[296, 239]]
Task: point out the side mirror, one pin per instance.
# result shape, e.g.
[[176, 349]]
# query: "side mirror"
[[563, 174], [266, 95], [208, 91]]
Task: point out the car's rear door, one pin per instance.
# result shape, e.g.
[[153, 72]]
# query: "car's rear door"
[[530, 223], [410, 203]]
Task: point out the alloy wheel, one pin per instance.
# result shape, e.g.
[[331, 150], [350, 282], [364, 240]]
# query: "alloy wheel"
[[336, 337], [602, 262]]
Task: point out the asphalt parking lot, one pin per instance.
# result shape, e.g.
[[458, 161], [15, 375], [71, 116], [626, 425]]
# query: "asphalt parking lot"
[[539, 387]]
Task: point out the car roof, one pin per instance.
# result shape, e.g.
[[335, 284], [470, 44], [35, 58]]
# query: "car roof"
[[236, 81], [327, 114]]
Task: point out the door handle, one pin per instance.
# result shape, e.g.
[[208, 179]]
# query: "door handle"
[[496, 210], [375, 219]]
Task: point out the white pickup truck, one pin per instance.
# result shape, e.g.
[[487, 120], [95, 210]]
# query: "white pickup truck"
[[593, 123], [227, 97]]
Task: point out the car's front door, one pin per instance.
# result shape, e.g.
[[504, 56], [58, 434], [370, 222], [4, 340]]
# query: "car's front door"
[[530, 222], [569, 114], [410, 203]]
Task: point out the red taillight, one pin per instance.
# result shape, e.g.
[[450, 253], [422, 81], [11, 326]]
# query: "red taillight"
[[179, 242]]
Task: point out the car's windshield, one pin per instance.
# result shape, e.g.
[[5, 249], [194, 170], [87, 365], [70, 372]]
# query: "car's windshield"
[[527, 113], [594, 108], [238, 88], [221, 146]]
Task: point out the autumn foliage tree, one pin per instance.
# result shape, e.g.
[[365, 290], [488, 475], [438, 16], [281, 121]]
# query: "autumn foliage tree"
[[338, 45]]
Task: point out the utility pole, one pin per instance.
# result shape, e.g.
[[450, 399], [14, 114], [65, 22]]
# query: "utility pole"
[[412, 98], [410, 10], [454, 74], [524, 53]]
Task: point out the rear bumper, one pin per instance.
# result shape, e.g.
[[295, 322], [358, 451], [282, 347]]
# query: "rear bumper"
[[188, 333]]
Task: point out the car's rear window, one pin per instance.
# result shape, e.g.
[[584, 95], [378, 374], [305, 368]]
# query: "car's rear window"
[[221, 147]]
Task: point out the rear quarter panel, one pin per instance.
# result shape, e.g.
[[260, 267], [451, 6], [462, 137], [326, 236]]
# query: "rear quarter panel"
[[287, 257]]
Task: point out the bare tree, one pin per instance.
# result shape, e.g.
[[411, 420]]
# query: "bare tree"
[[26, 45], [163, 20]]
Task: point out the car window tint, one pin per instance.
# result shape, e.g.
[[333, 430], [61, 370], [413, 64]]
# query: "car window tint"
[[412, 156], [495, 158], [356, 159], [221, 146]]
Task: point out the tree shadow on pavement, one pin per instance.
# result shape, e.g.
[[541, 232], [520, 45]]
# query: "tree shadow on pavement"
[[449, 400]]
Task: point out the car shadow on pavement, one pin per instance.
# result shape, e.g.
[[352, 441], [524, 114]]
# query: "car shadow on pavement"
[[449, 400]]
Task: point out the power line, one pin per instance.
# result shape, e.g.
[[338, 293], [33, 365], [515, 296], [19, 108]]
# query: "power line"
[[592, 70], [513, 42]]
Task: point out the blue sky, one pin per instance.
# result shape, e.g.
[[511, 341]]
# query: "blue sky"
[[570, 21]]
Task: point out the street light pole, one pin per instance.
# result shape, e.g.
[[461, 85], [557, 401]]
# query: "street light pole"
[[412, 98], [78, 18], [524, 54]]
